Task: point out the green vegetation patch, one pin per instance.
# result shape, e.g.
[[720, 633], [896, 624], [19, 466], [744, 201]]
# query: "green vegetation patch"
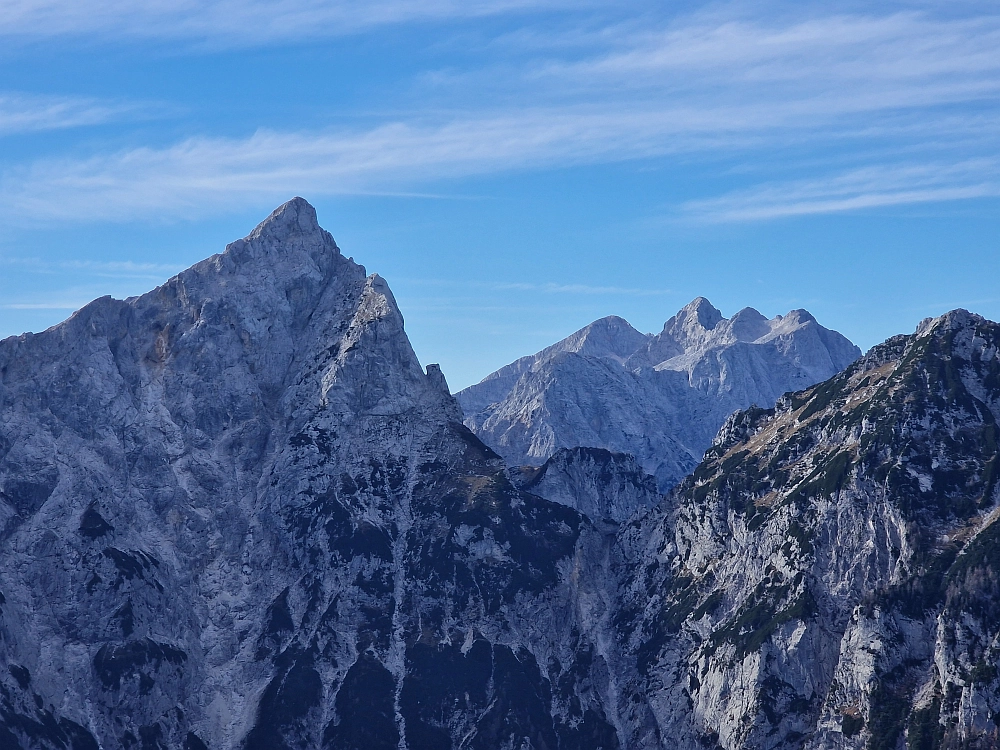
[[822, 396], [890, 707], [925, 590], [972, 583], [826, 479], [925, 731], [851, 724], [760, 616]]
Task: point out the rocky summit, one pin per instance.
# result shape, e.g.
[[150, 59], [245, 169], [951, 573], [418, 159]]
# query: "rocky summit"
[[659, 398], [827, 577], [236, 513]]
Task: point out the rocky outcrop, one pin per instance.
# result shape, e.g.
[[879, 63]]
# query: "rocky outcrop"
[[827, 577], [603, 485], [236, 513], [660, 398], [610, 338]]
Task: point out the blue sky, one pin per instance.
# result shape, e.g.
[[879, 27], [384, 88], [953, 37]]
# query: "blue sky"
[[514, 169]]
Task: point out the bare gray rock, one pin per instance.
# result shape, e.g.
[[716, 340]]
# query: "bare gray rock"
[[601, 484], [236, 513], [661, 398], [827, 576]]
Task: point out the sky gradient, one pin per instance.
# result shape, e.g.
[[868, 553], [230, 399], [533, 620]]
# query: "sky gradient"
[[513, 169]]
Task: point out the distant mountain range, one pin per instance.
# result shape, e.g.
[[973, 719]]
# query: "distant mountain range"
[[237, 514], [660, 398]]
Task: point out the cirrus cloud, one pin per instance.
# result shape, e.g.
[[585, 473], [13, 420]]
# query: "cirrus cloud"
[[883, 96], [235, 22]]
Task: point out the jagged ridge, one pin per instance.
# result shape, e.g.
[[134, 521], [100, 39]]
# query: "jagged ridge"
[[660, 398], [827, 577], [237, 513]]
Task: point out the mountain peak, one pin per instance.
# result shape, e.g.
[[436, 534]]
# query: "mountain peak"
[[608, 323], [290, 233], [669, 397], [294, 217], [950, 321], [609, 337], [799, 316], [701, 310], [749, 325], [691, 324]]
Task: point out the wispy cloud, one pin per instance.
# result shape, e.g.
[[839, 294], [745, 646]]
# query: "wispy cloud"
[[204, 175], [864, 188], [24, 113], [869, 49], [234, 22], [823, 64], [871, 88], [107, 269], [53, 305]]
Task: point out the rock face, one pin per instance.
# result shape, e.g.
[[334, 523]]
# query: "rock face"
[[828, 577], [609, 338], [599, 483], [661, 398], [236, 513]]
